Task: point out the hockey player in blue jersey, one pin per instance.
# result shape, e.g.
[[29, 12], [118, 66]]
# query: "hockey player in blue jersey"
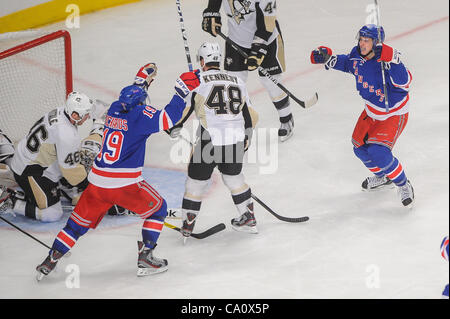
[[378, 127], [116, 175]]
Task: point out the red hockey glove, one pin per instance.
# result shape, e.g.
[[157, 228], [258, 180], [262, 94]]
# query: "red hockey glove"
[[146, 75], [321, 55], [387, 54], [187, 82]]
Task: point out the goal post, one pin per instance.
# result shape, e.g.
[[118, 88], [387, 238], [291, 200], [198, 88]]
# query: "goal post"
[[35, 77]]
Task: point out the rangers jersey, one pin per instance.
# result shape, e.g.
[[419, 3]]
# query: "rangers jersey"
[[120, 161], [53, 142], [218, 103], [248, 18], [369, 83]]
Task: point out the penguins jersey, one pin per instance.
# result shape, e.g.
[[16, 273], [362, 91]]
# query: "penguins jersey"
[[52, 144], [219, 102], [250, 18], [121, 158]]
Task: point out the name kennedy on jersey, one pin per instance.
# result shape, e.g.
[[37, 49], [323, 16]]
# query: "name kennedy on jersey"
[[219, 77]]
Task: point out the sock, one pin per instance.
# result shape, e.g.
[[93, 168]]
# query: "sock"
[[151, 229]]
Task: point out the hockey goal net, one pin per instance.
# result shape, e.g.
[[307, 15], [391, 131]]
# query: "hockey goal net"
[[35, 77]]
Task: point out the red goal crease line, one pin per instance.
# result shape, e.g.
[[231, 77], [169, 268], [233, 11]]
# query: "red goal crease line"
[[393, 38]]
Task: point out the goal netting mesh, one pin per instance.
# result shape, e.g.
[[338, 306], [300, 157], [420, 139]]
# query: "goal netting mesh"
[[35, 77]]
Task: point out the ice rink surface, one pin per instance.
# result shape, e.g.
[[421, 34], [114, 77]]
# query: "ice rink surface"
[[355, 245]]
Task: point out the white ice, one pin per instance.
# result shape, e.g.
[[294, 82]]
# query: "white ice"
[[355, 245]]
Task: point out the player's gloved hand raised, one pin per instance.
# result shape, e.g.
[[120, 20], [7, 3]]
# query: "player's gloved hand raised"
[[145, 76], [387, 54], [211, 22], [321, 55], [187, 82], [257, 54]]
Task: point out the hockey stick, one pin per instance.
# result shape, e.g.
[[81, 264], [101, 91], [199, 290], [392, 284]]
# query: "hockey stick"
[[283, 218], [305, 104], [206, 233], [386, 100], [31, 236], [183, 33]]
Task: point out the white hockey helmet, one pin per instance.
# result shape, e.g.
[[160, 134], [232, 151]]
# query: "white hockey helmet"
[[79, 103], [210, 52]]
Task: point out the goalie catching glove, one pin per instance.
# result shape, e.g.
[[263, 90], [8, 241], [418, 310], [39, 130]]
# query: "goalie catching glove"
[[90, 147]]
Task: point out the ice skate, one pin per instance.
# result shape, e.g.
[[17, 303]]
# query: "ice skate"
[[188, 225], [406, 193], [374, 183], [147, 264], [48, 264], [245, 223], [286, 130]]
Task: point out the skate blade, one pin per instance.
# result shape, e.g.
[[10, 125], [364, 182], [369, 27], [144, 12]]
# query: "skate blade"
[[369, 190], [39, 276], [185, 239], [142, 272], [285, 138], [246, 229]]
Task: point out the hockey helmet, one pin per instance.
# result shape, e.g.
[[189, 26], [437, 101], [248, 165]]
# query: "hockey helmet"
[[371, 31], [209, 52], [79, 103], [131, 96]]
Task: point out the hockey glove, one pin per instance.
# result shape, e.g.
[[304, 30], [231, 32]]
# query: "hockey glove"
[[387, 54], [174, 132], [146, 75], [321, 55], [211, 22], [187, 82], [257, 55]]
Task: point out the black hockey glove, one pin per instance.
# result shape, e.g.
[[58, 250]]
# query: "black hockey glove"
[[257, 54], [211, 22]]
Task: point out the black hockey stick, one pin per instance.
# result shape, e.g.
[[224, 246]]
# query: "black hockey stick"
[[283, 218], [29, 235], [206, 233], [183, 33], [305, 104]]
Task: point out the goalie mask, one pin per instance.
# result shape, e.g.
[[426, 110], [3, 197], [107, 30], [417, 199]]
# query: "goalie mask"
[[79, 103], [209, 52]]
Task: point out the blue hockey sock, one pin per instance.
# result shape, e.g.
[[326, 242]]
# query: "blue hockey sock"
[[383, 158], [151, 229], [363, 154], [68, 236]]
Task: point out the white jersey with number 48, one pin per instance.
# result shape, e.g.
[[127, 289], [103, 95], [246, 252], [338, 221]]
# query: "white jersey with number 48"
[[53, 142], [218, 103], [244, 17]]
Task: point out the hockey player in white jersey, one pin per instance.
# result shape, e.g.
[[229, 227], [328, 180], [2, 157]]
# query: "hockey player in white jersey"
[[253, 25], [222, 105], [49, 152]]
